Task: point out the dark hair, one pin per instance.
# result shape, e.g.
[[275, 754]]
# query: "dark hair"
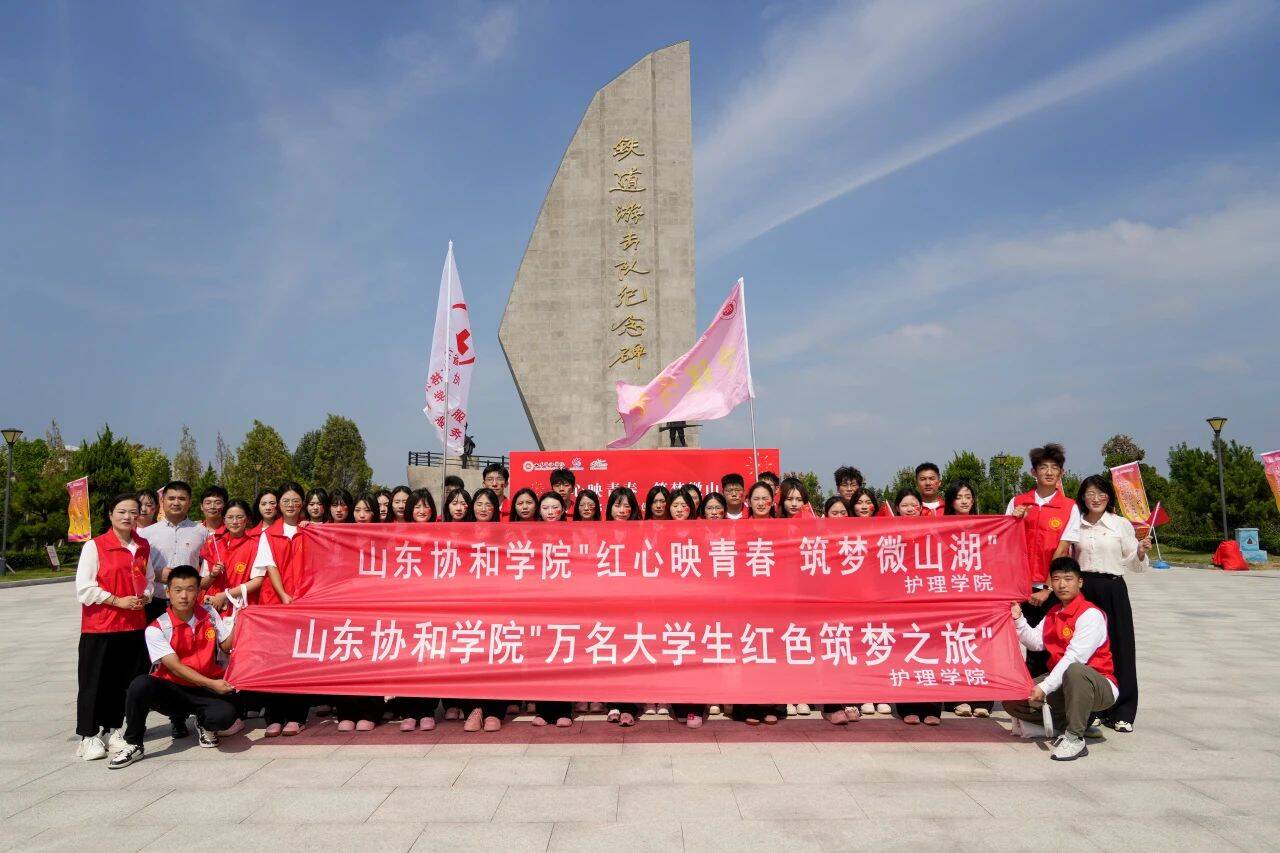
[[119, 499], [694, 494], [397, 490], [244, 505], [832, 501], [554, 496], [416, 497], [257, 501], [857, 496], [577, 505], [789, 485], [341, 497], [760, 484], [324, 500], [1065, 564], [496, 468], [1098, 482], [445, 515], [1051, 452], [953, 492], [848, 472], [489, 493], [906, 493], [369, 499], [452, 482], [622, 493], [770, 478], [377, 504], [654, 492], [927, 466], [290, 486], [525, 491], [183, 572], [215, 492], [695, 489], [708, 498], [732, 480], [177, 486], [683, 494], [563, 475]]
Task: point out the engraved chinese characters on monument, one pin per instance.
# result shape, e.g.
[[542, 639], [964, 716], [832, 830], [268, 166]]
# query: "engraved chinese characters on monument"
[[605, 290]]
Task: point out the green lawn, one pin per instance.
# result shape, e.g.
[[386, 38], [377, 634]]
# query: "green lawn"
[[32, 574], [1177, 556]]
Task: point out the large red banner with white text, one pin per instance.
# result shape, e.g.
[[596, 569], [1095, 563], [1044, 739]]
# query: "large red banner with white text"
[[602, 471], [827, 610]]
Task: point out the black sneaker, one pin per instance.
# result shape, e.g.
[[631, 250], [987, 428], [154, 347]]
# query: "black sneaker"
[[125, 757], [206, 738], [178, 729]]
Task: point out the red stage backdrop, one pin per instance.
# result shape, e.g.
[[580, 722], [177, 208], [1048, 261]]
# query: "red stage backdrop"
[[640, 470], [826, 610]]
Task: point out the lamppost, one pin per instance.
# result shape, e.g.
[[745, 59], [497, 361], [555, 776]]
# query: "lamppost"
[[11, 436], [1217, 424]]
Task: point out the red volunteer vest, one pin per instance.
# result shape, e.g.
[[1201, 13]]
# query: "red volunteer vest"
[[1044, 526], [236, 555], [941, 510], [119, 573], [1060, 626], [289, 558], [195, 647]]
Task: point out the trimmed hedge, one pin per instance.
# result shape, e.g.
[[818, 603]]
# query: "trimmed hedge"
[[68, 556]]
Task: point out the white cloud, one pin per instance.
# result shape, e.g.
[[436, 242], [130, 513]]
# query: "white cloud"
[[494, 31], [780, 121]]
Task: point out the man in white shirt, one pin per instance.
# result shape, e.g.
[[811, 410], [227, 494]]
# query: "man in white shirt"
[[734, 490], [1081, 678], [175, 541], [929, 485]]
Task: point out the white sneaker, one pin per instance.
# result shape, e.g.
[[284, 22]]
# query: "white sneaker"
[[206, 738], [116, 742], [91, 749], [129, 755], [1069, 747]]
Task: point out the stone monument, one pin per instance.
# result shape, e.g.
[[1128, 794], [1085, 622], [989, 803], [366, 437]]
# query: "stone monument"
[[605, 290]]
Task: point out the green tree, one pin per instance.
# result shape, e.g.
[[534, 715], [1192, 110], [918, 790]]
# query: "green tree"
[[38, 503], [1121, 450], [262, 459], [340, 456], [107, 464], [304, 457], [813, 486], [222, 458], [1195, 503], [966, 466], [1004, 471], [150, 468], [905, 478], [206, 479], [58, 463], [186, 462]]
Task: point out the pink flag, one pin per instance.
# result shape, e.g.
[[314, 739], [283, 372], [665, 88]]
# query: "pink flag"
[[705, 383], [453, 355]]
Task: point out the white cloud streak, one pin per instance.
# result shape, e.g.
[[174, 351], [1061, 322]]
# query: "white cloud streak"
[[1205, 25]]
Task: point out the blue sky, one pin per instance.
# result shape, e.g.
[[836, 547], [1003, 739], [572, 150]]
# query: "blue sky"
[[976, 225]]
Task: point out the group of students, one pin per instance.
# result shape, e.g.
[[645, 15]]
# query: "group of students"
[[159, 593]]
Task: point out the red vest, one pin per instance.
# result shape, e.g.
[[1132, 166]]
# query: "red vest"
[[1060, 626], [236, 556], [195, 647], [941, 510], [1044, 526], [288, 555], [121, 574]]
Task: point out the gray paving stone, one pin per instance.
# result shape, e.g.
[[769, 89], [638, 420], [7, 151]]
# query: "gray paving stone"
[[121, 838], [68, 808], [559, 803], [304, 773], [514, 770], [425, 772], [440, 805], [321, 805], [356, 838], [507, 837], [652, 835], [620, 770], [731, 836], [894, 800], [637, 803], [748, 768], [795, 802]]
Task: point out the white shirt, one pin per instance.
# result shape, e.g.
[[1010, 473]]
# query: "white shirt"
[[176, 545], [1090, 634], [1110, 546], [87, 590], [159, 634], [735, 517], [932, 505], [265, 558]]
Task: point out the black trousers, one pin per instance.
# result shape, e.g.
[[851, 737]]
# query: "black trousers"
[[148, 693], [286, 708], [758, 712], [1111, 595], [490, 707], [359, 708], [107, 664], [1037, 662], [414, 707], [920, 709], [552, 711]]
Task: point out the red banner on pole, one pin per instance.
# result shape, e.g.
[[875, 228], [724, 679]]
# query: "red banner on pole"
[[829, 610], [640, 470]]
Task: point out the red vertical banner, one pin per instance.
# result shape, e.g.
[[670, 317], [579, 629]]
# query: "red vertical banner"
[[1271, 465], [755, 611], [79, 527], [1131, 495], [640, 470]]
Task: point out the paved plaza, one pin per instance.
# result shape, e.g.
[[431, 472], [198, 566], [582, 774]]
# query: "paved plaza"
[[1202, 771]]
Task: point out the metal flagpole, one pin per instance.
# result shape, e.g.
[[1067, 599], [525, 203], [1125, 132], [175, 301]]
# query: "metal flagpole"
[[448, 332], [751, 389], [755, 459]]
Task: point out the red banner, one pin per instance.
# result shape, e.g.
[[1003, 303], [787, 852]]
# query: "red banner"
[[602, 471], [827, 610]]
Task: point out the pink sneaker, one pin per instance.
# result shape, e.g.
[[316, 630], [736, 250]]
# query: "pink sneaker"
[[290, 729], [409, 724], [346, 725], [426, 724], [236, 728], [273, 730], [365, 726], [693, 721]]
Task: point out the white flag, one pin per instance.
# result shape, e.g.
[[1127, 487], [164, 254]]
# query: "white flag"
[[453, 354]]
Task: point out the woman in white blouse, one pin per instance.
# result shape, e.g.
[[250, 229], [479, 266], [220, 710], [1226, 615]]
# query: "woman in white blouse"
[[1107, 548]]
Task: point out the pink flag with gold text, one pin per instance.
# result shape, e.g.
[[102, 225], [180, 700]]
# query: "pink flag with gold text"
[[705, 383], [1271, 464]]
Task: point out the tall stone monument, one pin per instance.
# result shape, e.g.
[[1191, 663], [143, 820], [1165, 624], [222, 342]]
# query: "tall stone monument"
[[605, 290]]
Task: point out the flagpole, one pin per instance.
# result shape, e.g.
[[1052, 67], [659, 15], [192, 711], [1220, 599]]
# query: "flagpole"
[[755, 459], [751, 387], [448, 331]]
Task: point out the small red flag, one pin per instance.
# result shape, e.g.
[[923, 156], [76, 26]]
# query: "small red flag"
[[1158, 516], [885, 509]]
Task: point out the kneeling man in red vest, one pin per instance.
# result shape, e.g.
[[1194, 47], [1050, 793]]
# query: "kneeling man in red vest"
[[188, 644], [1081, 680]]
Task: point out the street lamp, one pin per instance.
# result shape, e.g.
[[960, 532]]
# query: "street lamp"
[[1217, 424], [11, 436]]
